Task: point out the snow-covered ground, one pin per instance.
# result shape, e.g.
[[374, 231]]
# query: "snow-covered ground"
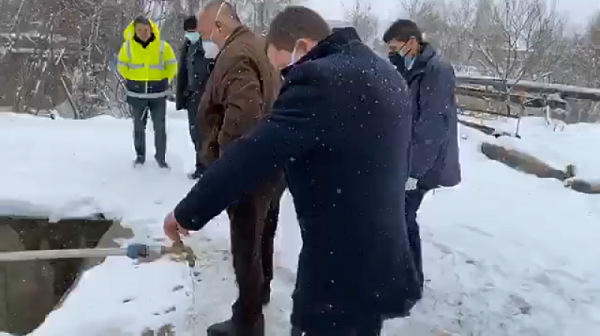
[[505, 253]]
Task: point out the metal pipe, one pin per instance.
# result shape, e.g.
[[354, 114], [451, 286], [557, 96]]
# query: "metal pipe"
[[140, 252], [61, 254], [133, 251]]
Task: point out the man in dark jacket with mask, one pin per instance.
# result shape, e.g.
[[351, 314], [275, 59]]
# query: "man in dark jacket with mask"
[[191, 79], [434, 143], [341, 129]]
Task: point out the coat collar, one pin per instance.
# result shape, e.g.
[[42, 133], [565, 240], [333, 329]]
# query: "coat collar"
[[341, 39], [237, 32], [336, 42], [427, 53]]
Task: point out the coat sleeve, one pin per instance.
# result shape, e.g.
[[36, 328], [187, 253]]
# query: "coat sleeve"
[[430, 130], [182, 78], [240, 94], [170, 62], [285, 135], [123, 61]]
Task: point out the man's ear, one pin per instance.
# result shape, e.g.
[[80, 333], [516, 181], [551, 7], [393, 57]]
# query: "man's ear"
[[304, 45]]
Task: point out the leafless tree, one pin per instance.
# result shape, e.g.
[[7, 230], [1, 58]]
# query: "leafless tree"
[[362, 18], [513, 37], [581, 66], [257, 14], [428, 14], [454, 40], [593, 30], [64, 52], [68, 49]]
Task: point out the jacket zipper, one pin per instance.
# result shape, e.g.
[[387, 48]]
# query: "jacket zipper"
[[147, 76]]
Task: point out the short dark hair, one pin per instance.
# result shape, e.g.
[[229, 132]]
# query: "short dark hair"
[[294, 23], [141, 20], [403, 30], [190, 23]]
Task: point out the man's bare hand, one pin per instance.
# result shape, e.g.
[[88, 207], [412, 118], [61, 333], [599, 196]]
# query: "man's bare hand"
[[172, 229]]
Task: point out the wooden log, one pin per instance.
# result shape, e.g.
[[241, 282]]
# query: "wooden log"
[[525, 163], [583, 186], [482, 128], [486, 129]]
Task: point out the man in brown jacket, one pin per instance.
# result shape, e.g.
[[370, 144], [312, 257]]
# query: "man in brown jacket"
[[242, 88]]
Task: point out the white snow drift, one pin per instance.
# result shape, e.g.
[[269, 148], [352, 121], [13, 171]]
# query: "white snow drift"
[[505, 253]]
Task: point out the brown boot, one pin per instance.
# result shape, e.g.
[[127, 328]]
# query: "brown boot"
[[230, 328]]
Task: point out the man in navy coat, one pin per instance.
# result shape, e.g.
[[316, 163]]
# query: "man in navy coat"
[[341, 130], [434, 143]]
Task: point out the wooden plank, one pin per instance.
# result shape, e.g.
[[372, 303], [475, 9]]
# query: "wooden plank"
[[463, 108], [515, 98]]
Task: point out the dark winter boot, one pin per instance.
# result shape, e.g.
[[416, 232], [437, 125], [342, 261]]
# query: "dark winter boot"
[[266, 294], [139, 160], [229, 328], [163, 164]]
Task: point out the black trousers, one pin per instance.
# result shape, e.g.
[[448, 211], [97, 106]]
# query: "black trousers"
[[363, 327], [253, 225], [413, 200], [192, 110]]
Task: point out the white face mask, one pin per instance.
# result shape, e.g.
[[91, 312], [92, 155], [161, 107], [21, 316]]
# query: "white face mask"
[[210, 48], [294, 57]]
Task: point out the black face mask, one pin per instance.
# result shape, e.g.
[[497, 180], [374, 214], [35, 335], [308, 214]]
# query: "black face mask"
[[395, 56], [396, 59]]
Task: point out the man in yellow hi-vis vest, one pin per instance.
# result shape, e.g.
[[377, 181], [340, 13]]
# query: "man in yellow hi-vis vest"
[[148, 66]]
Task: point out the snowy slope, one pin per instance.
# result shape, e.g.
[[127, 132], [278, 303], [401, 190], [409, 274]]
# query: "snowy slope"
[[506, 254]]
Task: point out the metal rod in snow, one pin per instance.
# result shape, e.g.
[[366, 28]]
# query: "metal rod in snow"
[[61, 254]]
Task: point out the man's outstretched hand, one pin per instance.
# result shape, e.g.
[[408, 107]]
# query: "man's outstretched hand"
[[172, 229]]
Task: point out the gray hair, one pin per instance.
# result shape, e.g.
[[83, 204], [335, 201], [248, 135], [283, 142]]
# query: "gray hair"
[[224, 7]]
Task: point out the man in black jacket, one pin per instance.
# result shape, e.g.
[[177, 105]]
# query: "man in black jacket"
[[434, 144], [341, 129], [191, 79]]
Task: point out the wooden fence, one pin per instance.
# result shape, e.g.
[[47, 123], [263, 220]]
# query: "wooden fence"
[[515, 99]]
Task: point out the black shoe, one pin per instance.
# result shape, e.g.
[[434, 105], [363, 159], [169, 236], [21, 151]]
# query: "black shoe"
[[229, 328], [139, 160], [266, 295], [163, 164]]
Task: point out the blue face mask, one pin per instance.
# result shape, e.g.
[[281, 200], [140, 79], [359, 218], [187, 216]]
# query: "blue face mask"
[[192, 36], [401, 56], [409, 61]]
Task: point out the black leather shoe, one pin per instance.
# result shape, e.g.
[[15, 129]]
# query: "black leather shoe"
[[139, 160], [229, 328], [163, 164]]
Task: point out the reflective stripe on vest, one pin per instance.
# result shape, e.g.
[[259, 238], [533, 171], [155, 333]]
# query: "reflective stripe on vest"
[[148, 95], [160, 66]]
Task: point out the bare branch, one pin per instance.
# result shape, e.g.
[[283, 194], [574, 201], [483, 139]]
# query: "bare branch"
[[362, 18]]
